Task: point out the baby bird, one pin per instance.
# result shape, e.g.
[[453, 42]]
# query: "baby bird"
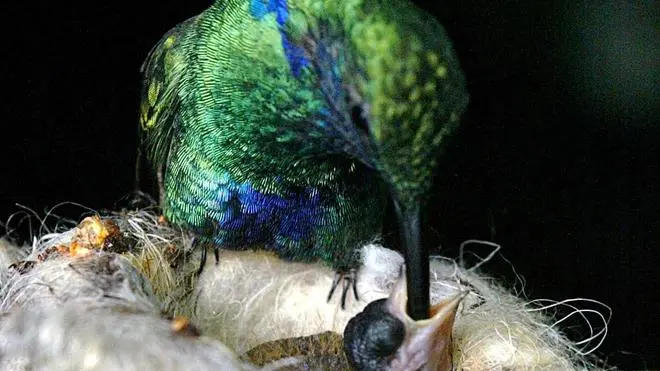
[[384, 338]]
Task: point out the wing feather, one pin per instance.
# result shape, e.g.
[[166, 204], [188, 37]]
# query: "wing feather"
[[163, 73]]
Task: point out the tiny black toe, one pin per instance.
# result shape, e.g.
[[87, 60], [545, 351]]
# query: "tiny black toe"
[[195, 243], [354, 282], [344, 291], [348, 280]]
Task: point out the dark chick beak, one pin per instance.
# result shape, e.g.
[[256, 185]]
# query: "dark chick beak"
[[384, 337]]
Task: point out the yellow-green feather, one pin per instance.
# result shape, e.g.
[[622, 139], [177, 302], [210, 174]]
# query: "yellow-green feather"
[[221, 101]]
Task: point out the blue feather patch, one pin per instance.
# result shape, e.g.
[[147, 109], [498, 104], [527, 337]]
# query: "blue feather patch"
[[294, 54], [271, 219]]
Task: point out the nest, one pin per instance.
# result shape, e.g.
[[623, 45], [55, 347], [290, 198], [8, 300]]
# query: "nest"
[[122, 292]]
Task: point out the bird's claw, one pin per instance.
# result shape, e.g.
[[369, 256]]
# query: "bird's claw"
[[348, 280], [202, 263]]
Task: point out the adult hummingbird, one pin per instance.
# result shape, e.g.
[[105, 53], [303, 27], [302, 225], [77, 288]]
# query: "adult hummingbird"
[[288, 124]]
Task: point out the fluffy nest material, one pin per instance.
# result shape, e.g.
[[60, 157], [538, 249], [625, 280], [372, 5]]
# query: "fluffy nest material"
[[122, 292]]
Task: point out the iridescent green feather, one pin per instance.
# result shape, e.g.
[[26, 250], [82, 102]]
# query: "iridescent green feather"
[[222, 109]]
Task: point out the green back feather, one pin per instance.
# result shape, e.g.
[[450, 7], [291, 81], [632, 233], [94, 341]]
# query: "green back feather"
[[220, 84]]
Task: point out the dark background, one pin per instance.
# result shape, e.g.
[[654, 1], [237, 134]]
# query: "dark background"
[[557, 158]]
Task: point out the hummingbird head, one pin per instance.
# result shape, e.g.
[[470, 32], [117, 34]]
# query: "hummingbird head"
[[390, 82], [413, 94], [391, 90]]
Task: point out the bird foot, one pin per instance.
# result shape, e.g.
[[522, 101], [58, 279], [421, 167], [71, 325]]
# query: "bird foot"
[[202, 263], [348, 280]]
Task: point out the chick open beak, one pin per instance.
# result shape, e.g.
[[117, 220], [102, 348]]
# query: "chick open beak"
[[428, 342], [385, 337]]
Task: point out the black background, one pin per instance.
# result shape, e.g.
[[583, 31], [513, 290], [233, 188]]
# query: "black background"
[[557, 158]]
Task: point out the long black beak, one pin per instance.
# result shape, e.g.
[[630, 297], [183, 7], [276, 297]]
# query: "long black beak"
[[416, 257]]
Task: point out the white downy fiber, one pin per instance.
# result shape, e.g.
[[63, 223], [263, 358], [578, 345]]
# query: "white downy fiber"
[[102, 310]]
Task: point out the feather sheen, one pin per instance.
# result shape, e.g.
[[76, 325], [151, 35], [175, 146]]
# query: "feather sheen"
[[284, 123]]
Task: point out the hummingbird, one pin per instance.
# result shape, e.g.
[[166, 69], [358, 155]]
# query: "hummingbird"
[[287, 125]]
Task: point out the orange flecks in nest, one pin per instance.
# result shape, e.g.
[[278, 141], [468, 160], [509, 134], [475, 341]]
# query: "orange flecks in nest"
[[91, 233], [182, 326], [162, 220], [59, 249], [77, 250]]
